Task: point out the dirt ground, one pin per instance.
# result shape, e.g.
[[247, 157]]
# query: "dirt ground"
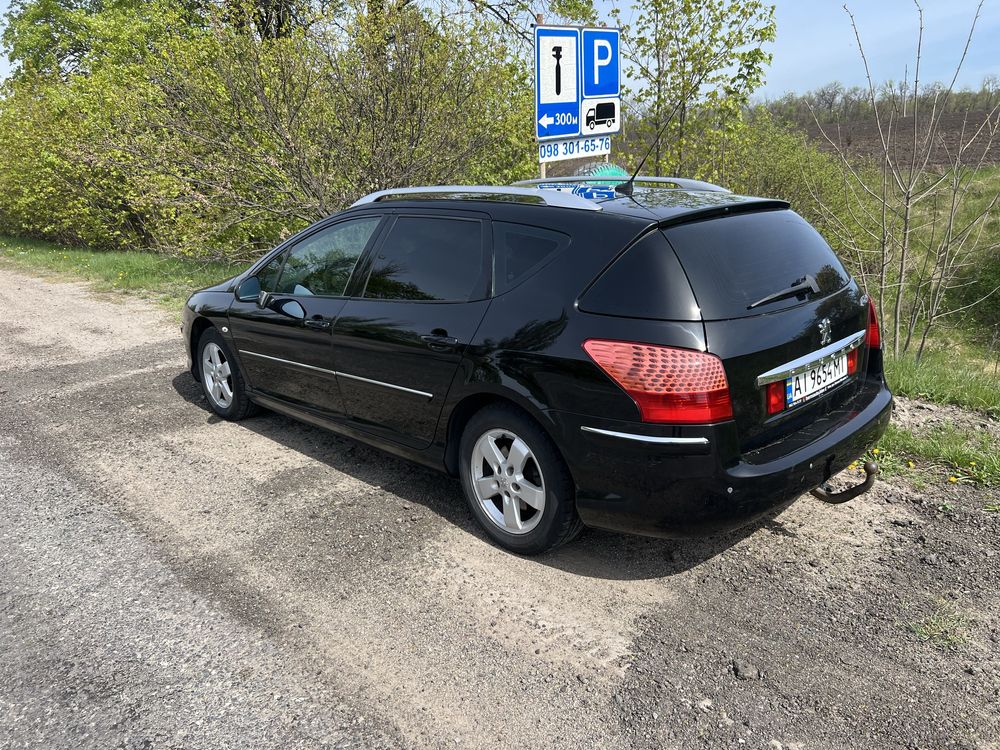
[[171, 580]]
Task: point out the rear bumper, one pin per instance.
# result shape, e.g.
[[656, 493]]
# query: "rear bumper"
[[702, 485]]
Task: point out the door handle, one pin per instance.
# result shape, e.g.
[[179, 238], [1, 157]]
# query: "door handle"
[[319, 324], [439, 343]]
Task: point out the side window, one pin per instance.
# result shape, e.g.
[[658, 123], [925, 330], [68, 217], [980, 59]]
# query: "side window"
[[322, 263], [427, 258], [646, 281], [268, 275], [521, 250]]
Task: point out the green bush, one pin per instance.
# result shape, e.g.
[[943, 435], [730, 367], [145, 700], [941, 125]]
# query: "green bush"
[[190, 132]]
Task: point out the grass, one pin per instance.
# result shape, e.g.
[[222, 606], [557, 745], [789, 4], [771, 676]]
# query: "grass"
[[167, 281], [947, 453], [981, 193], [961, 378], [944, 628]]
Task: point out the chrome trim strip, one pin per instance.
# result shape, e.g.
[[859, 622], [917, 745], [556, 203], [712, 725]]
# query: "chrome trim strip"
[[339, 374], [287, 362], [548, 197], [813, 359], [647, 438], [385, 385]]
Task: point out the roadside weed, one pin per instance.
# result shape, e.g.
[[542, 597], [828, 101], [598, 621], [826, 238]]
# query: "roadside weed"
[[946, 377], [944, 628], [955, 456]]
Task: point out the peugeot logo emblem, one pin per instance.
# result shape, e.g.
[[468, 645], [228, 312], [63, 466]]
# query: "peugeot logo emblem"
[[824, 331]]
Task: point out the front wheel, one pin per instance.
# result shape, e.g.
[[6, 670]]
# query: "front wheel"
[[221, 379], [516, 483]]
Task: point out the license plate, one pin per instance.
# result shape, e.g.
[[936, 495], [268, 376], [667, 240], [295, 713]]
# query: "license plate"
[[814, 381]]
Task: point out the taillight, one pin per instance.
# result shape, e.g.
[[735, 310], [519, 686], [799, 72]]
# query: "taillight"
[[852, 360], [874, 337], [667, 384], [776, 397]]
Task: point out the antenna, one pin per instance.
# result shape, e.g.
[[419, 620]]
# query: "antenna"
[[628, 187]]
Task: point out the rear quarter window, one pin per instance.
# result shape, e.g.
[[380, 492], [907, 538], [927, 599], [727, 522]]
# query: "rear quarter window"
[[737, 260], [520, 250], [646, 281]]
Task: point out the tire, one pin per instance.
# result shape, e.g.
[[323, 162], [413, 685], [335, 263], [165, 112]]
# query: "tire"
[[226, 394], [525, 503]]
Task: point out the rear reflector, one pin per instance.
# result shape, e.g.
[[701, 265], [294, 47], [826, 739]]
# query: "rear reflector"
[[852, 361], [776, 397], [667, 384], [874, 337]]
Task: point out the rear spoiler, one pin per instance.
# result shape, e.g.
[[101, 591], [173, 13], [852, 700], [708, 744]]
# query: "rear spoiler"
[[746, 206]]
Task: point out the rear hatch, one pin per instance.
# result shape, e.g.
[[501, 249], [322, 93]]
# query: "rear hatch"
[[778, 306]]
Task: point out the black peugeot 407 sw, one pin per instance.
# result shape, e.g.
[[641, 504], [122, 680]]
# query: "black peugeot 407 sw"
[[669, 359]]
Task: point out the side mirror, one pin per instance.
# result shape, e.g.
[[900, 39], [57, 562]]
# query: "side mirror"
[[248, 290]]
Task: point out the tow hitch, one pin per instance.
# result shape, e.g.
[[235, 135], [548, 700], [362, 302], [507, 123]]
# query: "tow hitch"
[[825, 492]]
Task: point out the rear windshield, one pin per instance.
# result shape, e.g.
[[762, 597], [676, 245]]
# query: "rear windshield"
[[735, 261]]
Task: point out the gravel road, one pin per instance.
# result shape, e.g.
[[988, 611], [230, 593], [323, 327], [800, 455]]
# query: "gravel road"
[[170, 580]]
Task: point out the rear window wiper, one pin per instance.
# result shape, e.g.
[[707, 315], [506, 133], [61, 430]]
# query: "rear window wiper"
[[806, 284]]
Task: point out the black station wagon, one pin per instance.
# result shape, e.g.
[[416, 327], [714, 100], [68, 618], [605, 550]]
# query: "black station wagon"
[[675, 360]]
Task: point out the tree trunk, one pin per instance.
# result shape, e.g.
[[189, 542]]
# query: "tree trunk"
[[901, 280]]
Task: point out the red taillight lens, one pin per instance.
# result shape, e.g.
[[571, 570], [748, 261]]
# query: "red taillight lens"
[[852, 361], [667, 384], [776, 397], [874, 337]]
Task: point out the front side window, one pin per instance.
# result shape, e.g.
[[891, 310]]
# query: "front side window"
[[425, 258], [322, 263]]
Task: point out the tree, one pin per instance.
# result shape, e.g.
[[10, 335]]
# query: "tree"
[[250, 138], [925, 233], [693, 66]]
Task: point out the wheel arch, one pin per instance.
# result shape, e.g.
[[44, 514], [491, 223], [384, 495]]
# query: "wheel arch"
[[198, 327], [473, 403]]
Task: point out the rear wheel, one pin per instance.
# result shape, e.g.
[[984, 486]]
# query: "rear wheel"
[[221, 379], [517, 484]]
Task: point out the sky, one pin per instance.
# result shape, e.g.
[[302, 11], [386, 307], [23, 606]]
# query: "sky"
[[816, 45]]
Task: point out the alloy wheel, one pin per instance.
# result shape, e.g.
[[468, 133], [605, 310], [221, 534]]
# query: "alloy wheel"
[[507, 481], [217, 375]]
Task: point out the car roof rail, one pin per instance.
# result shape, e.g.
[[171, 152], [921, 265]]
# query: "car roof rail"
[[482, 192], [682, 183]]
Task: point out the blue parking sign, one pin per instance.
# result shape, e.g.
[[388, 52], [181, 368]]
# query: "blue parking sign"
[[601, 72]]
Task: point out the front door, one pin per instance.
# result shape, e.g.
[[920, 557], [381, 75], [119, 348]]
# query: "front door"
[[398, 345], [284, 339]]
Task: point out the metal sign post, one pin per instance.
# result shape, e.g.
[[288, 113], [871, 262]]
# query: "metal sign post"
[[577, 91]]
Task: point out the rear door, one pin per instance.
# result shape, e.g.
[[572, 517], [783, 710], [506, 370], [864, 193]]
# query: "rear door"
[[741, 268], [285, 345], [425, 291]]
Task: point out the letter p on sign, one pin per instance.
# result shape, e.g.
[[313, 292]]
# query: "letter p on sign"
[[602, 57], [601, 63]]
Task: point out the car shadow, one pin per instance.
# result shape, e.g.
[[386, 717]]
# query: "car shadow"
[[596, 554]]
